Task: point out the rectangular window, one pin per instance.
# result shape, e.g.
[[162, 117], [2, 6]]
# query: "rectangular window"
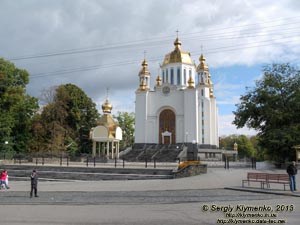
[[167, 76], [163, 76], [178, 76], [202, 92], [172, 76], [184, 76]]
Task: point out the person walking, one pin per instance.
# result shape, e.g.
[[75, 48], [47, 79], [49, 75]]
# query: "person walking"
[[292, 171], [34, 183], [4, 179]]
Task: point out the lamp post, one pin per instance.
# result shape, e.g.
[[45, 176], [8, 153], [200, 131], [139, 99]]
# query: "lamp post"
[[195, 152], [235, 148], [186, 136], [297, 149], [5, 149]]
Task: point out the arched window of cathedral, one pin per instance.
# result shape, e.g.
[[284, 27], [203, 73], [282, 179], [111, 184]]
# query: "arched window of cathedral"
[[202, 92], [178, 76], [163, 76], [184, 76]]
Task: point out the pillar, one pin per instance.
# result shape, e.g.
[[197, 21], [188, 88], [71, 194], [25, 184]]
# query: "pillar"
[[118, 150], [107, 149], [94, 148], [112, 149]]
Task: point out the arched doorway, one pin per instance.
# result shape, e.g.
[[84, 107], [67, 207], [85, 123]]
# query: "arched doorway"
[[167, 127]]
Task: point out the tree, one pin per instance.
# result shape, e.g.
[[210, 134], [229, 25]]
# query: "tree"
[[273, 108], [126, 122], [245, 146], [67, 120], [16, 107]]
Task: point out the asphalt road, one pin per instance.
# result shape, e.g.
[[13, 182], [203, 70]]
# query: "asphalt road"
[[163, 207]]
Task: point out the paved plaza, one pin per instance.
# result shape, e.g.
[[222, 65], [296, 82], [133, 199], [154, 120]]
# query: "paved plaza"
[[203, 199]]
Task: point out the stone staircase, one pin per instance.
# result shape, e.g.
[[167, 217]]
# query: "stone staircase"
[[151, 152]]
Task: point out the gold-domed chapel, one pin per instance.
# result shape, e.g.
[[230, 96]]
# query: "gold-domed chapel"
[[181, 107], [106, 135]]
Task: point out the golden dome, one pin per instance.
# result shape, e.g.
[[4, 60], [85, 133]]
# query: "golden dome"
[[107, 121], [191, 82], [144, 70], [178, 55], [202, 65], [106, 107], [158, 81], [211, 93]]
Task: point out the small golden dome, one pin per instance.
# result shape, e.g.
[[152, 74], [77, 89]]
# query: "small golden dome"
[[144, 70], [211, 93], [191, 82], [106, 107], [158, 80], [202, 65]]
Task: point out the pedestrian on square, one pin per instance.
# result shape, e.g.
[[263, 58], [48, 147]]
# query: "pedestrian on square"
[[292, 171], [34, 183], [4, 179]]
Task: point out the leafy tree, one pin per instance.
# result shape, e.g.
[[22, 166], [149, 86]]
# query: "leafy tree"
[[245, 146], [273, 109], [126, 122], [67, 120], [16, 107]]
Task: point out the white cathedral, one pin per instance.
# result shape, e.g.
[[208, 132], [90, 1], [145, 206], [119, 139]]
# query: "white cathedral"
[[181, 108]]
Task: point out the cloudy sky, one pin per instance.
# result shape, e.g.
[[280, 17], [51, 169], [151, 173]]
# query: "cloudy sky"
[[99, 44]]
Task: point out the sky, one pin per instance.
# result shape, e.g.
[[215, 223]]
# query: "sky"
[[99, 44]]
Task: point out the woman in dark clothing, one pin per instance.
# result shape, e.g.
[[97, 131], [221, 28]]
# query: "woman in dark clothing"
[[34, 183], [292, 171]]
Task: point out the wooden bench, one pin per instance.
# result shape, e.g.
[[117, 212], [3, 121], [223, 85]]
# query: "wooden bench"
[[273, 178], [256, 177]]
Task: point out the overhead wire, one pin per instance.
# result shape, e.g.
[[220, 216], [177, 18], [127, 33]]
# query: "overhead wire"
[[138, 42], [201, 37]]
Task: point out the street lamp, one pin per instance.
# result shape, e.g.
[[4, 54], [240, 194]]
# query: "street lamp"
[[235, 148], [195, 152], [186, 136], [297, 149], [5, 149]]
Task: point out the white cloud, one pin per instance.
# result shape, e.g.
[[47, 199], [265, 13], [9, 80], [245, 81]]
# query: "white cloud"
[[243, 33], [227, 128]]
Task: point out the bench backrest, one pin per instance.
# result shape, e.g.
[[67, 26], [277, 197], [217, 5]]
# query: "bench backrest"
[[277, 177], [257, 176]]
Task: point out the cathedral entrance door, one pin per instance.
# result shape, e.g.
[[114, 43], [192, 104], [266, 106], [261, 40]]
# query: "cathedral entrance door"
[[167, 124], [166, 140]]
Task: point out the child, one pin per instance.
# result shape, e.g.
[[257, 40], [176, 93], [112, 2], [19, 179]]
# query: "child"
[[4, 179]]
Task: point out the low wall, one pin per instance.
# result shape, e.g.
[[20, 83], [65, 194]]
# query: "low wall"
[[86, 173], [191, 170]]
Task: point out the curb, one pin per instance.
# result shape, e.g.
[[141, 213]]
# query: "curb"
[[262, 191]]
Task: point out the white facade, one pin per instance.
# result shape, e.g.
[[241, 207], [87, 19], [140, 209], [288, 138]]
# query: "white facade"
[[177, 109]]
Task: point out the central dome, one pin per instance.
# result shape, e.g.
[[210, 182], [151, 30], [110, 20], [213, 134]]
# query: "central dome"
[[178, 55]]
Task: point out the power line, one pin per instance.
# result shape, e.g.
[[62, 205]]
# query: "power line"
[[123, 63], [153, 41]]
